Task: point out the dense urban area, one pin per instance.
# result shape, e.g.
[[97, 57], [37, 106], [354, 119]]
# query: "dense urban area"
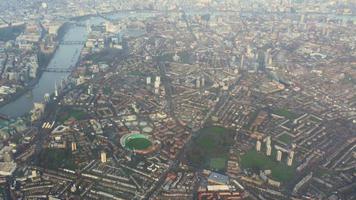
[[178, 99]]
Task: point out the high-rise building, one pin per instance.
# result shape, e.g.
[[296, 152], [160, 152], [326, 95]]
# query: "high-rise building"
[[47, 97], [269, 150], [90, 90], [249, 52], [55, 90], [176, 57], [157, 84], [148, 80], [74, 146], [103, 157], [268, 141], [197, 83], [258, 145], [279, 155], [290, 158], [158, 79], [267, 56], [33, 173], [242, 62], [270, 62]]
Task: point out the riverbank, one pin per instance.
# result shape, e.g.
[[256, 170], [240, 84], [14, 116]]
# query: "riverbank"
[[43, 61]]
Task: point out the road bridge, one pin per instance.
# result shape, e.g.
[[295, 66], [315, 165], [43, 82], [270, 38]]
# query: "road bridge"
[[58, 70], [72, 43]]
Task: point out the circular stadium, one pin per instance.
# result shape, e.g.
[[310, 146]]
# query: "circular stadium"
[[138, 143]]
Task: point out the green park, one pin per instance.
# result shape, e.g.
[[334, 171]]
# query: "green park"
[[210, 148], [71, 113], [257, 161]]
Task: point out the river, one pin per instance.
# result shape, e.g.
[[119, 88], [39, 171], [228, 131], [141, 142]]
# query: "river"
[[65, 57]]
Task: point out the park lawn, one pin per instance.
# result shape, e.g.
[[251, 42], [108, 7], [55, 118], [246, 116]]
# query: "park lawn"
[[285, 113], [71, 113], [213, 140], [218, 163], [286, 138], [258, 161], [138, 143], [210, 148], [207, 143]]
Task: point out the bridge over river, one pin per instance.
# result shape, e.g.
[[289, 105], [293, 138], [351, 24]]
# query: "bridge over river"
[[72, 43], [58, 70]]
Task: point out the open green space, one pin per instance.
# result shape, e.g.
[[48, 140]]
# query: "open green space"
[[285, 113], [210, 148], [11, 32], [67, 113], [257, 161], [56, 158], [139, 143], [217, 163], [286, 138]]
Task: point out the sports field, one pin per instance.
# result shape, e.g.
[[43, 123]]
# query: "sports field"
[[137, 143], [218, 163]]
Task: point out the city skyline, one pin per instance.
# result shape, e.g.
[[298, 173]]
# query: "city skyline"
[[180, 99]]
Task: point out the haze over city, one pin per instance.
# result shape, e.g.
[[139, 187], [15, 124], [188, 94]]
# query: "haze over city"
[[178, 99]]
